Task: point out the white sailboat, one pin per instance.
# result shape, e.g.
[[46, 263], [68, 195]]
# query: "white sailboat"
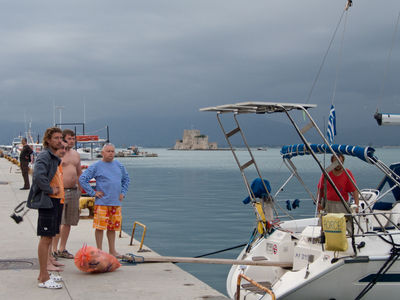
[[367, 267], [317, 257]]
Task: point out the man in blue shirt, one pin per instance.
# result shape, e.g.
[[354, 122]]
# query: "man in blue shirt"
[[112, 181]]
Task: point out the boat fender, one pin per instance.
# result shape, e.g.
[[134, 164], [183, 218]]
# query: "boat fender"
[[262, 221], [334, 227], [296, 203]]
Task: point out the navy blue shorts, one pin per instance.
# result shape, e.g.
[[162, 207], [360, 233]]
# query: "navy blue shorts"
[[49, 220]]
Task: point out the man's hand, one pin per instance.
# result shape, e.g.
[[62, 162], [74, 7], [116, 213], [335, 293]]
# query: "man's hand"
[[99, 194], [121, 197], [56, 190]]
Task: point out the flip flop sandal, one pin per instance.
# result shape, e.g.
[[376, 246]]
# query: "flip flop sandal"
[[65, 254], [50, 284], [55, 278]]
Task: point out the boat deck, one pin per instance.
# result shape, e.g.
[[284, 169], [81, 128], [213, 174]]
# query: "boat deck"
[[19, 265]]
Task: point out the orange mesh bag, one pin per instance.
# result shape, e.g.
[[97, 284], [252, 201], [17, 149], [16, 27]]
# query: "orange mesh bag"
[[92, 260]]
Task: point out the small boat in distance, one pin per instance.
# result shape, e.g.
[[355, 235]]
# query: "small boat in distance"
[[133, 151]]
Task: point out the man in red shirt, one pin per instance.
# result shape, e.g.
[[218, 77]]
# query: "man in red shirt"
[[333, 204]]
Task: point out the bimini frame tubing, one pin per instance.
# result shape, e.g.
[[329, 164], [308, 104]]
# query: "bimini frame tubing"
[[227, 135], [387, 171], [338, 160], [292, 168], [252, 161], [302, 137], [273, 107]]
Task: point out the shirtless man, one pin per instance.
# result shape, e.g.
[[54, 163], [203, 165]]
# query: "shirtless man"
[[71, 164]]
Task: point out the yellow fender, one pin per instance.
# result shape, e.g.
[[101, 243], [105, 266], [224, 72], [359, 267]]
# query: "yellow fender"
[[262, 222], [334, 226]]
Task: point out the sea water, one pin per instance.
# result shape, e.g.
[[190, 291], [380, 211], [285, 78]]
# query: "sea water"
[[191, 201]]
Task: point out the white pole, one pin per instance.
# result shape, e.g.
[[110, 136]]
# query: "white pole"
[[210, 261], [54, 113], [60, 108], [84, 111]]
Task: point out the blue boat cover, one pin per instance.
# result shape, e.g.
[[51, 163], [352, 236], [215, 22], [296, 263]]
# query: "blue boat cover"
[[258, 189], [363, 153]]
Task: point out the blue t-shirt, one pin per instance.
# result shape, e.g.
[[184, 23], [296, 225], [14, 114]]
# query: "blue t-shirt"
[[111, 178]]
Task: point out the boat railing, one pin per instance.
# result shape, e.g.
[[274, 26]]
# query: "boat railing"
[[254, 283], [143, 234]]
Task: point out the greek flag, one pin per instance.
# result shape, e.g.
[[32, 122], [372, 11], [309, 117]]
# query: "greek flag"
[[331, 132]]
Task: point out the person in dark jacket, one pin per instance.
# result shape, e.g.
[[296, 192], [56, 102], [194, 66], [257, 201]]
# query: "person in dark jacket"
[[44, 196], [24, 160]]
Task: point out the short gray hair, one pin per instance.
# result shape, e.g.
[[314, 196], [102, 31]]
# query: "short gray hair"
[[108, 145]]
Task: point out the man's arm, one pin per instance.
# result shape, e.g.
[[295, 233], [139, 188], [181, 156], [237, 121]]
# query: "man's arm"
[[78, 168], [85, 178], [40, 174], [124, 181], [355, 192]]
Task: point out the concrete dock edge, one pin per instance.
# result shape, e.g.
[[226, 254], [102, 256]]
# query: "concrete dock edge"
[[19, 266]]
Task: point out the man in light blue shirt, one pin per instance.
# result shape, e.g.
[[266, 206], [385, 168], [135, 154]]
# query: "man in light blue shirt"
[[112, 181]]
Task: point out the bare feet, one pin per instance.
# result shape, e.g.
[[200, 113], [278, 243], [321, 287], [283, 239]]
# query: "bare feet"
[[53, 268], [117, 255], [57, 264], [54, 262]]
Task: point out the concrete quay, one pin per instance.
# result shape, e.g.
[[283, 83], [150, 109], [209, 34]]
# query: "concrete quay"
[[19, 266]]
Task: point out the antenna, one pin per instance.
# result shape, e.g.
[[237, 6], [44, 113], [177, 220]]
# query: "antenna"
[[60, 108], [84, 111], [54, 112]]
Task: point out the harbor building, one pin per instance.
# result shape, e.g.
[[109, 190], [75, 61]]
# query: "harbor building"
[[194, 140]]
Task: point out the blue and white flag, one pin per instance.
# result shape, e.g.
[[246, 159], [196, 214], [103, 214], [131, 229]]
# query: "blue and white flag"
[[331, 132]]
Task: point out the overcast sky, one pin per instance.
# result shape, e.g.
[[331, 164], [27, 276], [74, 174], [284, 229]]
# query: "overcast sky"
[[146, 67]]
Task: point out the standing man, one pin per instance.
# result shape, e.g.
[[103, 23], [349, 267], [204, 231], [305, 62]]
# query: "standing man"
[[71, 165], [333, 204], [45, 197], [24, 160], [112, 181], [53, 264]]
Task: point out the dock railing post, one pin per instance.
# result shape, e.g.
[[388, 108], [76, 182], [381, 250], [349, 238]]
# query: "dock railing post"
[[143, 234]]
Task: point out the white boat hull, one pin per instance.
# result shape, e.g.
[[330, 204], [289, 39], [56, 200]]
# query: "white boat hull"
[[343, 279]]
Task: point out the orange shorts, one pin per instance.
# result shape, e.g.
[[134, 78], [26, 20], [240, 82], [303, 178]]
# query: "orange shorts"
[[107, 217]]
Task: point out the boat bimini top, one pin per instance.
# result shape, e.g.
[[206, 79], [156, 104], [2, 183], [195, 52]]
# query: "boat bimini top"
[[258, 107], [364, 153]]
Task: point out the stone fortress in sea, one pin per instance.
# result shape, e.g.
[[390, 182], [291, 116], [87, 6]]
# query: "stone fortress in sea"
[[193, 140]]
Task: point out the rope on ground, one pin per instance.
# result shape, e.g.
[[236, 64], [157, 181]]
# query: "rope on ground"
[[132, 259]]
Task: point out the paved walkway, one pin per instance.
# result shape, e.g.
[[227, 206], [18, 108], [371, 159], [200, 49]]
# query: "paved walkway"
[[19, 242]]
